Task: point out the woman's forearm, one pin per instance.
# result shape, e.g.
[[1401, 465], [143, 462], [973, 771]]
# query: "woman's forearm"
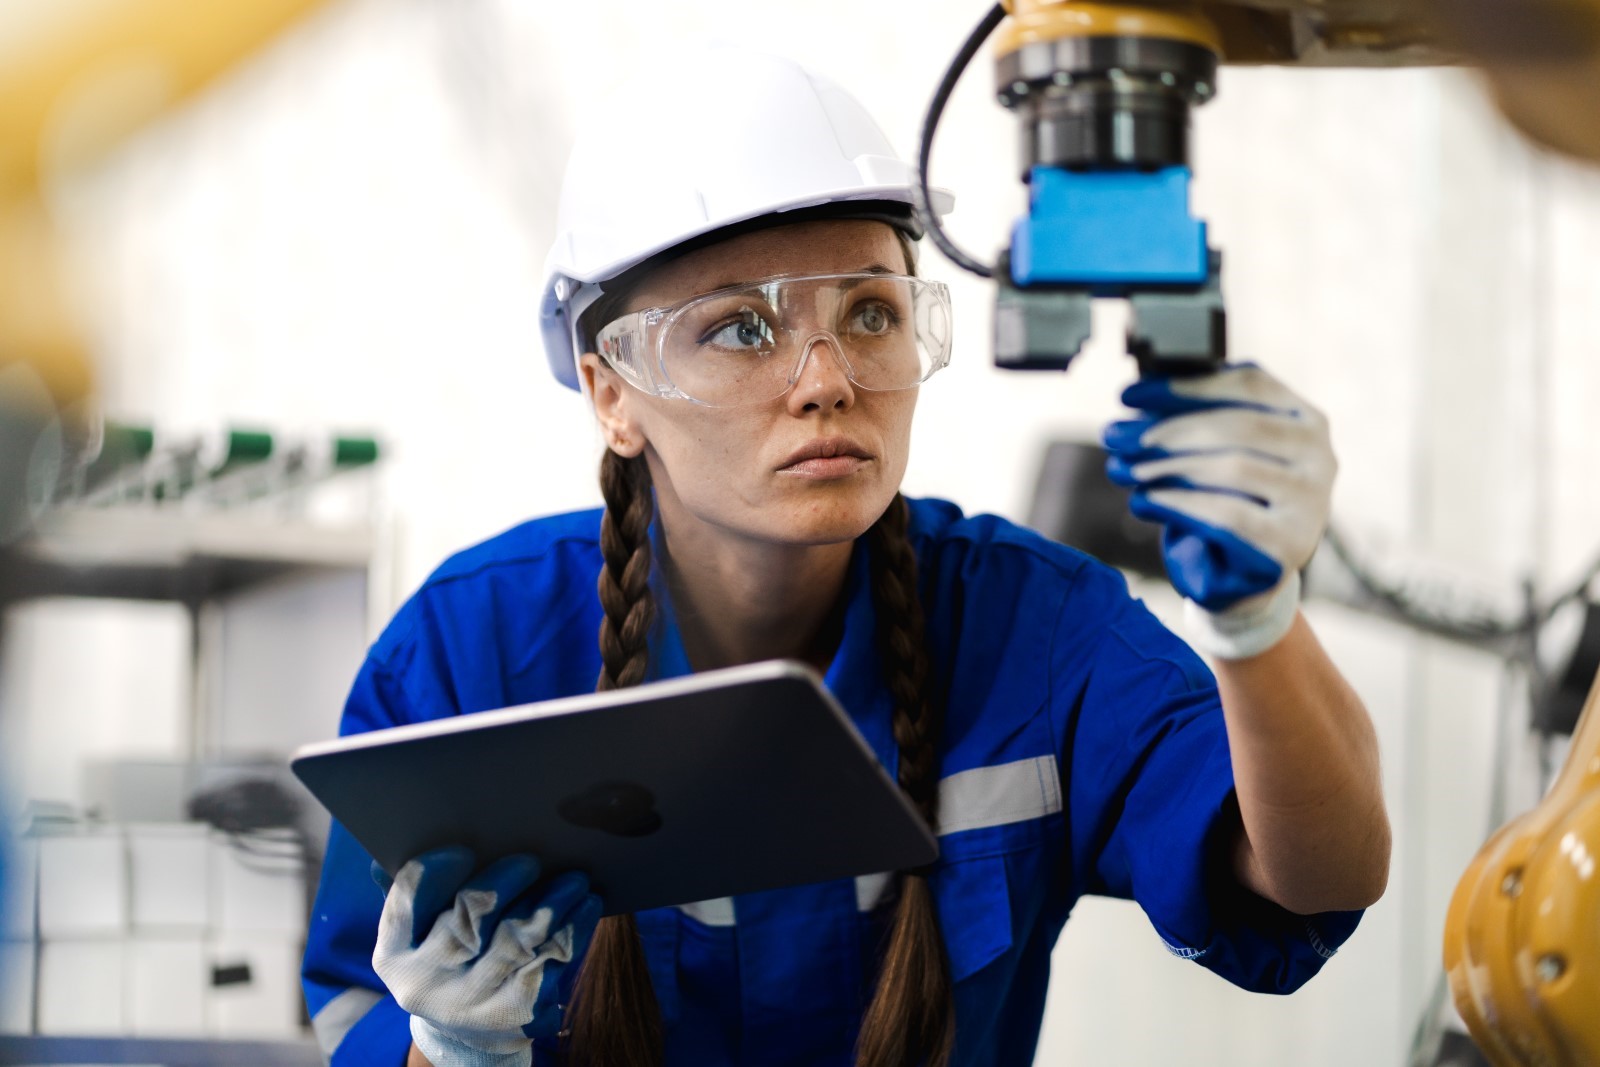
[[416, 1059], [1305, 761]]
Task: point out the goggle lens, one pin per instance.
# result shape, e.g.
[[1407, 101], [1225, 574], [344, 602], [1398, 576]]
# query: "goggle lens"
[[750, 343]]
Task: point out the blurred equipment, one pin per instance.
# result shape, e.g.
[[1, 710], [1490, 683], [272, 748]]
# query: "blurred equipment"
[[1542, 58], [1075, 503], [77, 78], [1102, 92], [266, 542], [149, 514], [1560, 706], [45, 377], [1522, 945]]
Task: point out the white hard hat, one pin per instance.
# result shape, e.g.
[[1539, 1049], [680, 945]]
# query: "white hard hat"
[[724, 136]]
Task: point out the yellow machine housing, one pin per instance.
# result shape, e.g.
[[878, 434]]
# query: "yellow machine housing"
[[1522, 937], [1542, 57]]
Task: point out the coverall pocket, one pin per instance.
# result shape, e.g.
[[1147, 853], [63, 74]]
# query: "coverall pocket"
[[974, 903]]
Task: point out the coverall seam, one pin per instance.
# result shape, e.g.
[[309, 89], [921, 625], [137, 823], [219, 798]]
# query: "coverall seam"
[[404, 643], [1317, 944], [1071, 569], [1183, 953], [437, 580], [1145, 656], [532, 556]]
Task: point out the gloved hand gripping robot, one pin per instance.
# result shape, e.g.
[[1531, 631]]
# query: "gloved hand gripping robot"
[[1237, 468]]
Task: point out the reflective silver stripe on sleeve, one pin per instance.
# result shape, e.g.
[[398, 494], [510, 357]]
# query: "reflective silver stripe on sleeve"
[[340, 1014], [718, 912], [994, 796]]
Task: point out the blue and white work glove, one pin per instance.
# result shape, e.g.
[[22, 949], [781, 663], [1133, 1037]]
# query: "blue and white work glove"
[[477, 959], [1239, 471]]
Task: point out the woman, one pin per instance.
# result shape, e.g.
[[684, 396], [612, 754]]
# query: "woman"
[[733, 286]]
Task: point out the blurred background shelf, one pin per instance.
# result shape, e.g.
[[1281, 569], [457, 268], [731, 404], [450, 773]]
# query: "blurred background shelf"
[[175, 554]]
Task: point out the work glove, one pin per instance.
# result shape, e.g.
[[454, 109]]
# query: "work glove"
[[477, 958], [1239, 471]]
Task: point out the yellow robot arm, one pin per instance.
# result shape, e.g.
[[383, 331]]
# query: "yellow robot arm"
[[1522, 937], [1542, 58]]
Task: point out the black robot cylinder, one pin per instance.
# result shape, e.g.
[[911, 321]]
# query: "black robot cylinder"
[[1105, 102]]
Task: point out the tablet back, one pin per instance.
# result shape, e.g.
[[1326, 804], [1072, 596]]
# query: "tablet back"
[[724, 782]]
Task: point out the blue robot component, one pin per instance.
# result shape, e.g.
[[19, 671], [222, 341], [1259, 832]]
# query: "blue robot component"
[[1109, 231], [1102, 92]]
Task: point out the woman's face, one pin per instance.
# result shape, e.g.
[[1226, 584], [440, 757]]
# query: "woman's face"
[[740, 471]]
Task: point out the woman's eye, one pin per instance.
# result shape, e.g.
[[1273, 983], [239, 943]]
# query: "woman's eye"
[[876, 318], [745, 333]]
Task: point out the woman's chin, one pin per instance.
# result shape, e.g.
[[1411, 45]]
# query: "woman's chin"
[[829, 521]]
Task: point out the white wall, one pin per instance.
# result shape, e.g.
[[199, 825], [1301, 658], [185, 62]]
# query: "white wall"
[[350, 232]]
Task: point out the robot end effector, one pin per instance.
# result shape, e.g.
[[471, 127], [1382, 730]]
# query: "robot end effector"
[[1102, 93]]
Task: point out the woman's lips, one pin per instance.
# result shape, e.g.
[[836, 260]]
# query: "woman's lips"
[[826, 457], [825, 467]]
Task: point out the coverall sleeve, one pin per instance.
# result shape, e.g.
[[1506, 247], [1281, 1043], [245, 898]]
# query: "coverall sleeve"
[[355, 1020], [1150, 789]]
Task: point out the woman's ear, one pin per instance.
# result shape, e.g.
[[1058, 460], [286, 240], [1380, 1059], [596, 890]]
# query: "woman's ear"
[[611, 398]]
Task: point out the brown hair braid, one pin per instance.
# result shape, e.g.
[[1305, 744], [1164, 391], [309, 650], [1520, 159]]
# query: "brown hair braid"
[[911, 1019], [614, 1019]]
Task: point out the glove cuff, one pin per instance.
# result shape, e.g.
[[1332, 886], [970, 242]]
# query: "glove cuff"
[[1248, 628], [443, 1050]]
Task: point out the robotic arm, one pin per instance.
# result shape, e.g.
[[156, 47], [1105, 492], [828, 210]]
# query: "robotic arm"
[[1102, 93]]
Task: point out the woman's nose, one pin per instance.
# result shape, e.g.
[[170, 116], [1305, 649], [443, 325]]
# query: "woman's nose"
[[822, 382]]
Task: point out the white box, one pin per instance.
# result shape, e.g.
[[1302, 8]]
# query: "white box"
[[82, 987], [170, 872], [16, 986], [83, 885], [255, 987], [167, 984], [17, 908], [259, 884]]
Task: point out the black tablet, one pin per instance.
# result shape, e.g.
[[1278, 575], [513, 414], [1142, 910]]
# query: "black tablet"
[[725, 782]]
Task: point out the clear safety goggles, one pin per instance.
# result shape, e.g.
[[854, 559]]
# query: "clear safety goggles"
[[749, 343]]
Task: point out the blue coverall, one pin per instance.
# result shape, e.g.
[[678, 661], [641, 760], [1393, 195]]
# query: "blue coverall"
[[1083, 752]]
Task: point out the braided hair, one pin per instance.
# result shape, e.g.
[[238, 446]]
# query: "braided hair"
[[910, 1019], [614, 1019]]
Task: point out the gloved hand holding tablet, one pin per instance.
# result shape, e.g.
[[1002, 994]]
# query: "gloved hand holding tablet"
[[476, 956], [696, 788]]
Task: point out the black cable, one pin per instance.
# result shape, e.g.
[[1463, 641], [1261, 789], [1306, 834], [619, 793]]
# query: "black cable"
[[930, 122], [1578, 591], [1471, 628]]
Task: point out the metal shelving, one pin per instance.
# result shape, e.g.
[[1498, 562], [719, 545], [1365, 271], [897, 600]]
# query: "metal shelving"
[[172, 553]]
